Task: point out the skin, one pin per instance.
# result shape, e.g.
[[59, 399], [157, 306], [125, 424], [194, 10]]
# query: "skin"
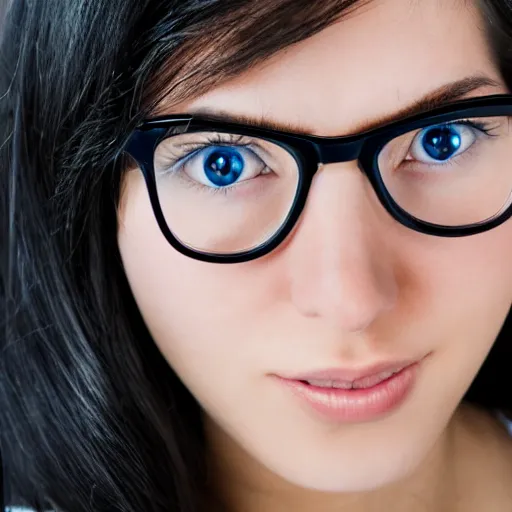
[[349, 287]]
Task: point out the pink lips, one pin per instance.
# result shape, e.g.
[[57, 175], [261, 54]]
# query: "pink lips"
[[355, 395]]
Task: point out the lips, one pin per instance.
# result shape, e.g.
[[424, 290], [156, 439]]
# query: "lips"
[[354, 405], [354, 395]]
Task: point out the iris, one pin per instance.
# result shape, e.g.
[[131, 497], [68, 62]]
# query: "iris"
[[223, 166], [441, 142]]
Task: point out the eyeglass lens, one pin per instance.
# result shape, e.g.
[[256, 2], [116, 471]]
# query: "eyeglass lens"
[[225, 193], [453, 174]]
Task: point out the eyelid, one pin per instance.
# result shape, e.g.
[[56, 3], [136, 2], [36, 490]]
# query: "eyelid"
[[233, 139]]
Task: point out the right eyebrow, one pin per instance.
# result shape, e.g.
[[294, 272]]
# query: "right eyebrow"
[[444, 95], [439, 97]]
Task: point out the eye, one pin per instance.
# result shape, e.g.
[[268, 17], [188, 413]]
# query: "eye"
[[437, 144], [223, 166]]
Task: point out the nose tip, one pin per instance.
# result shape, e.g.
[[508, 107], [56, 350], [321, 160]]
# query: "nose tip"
[[352, 298]]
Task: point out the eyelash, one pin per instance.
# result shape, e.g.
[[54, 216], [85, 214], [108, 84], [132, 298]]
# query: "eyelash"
[[485, 129], [481, 126], [214, 139]]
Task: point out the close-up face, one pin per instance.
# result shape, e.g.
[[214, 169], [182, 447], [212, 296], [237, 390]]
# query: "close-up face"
[[350, 286]]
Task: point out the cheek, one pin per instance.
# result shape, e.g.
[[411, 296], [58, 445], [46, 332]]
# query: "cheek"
[[466, 294], [467, 274], [197, 312]]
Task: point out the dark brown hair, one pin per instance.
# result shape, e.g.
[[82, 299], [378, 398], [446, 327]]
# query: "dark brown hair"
[[93, 418]]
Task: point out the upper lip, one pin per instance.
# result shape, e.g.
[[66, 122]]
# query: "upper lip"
[[352, 374]]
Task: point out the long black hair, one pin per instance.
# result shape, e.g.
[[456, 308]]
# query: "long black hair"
[[92, 417]]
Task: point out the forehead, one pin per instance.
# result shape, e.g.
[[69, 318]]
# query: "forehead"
[[381, 58]]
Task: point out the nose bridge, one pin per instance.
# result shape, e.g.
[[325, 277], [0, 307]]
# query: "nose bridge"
[[337, 151], [339, 270]]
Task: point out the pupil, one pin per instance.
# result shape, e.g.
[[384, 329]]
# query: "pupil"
[[223, 167], [441, 143]]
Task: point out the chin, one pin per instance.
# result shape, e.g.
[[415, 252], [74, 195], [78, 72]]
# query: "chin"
[[345, 482], [365, 475]]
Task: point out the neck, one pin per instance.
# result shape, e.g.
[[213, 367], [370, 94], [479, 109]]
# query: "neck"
[[239, 483]]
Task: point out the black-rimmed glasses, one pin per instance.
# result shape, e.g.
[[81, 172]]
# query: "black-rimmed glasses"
[[228, 193]]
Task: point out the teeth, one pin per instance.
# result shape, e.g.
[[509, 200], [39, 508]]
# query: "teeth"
[[320, 383], [330, 384], [373, 380], [366, 382], [342, 385]]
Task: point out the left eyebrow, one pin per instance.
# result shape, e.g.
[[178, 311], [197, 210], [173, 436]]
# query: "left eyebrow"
[[439, 97]]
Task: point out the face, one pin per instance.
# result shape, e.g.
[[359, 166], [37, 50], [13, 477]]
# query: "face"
[[350, 286]]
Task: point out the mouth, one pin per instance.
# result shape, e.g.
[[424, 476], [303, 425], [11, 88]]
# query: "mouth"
[[362, 383], [347, 395]]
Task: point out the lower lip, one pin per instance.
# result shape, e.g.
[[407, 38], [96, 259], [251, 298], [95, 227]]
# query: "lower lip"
[[357, 405]]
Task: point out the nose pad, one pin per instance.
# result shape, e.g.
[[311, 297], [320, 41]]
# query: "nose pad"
[[339, 268]]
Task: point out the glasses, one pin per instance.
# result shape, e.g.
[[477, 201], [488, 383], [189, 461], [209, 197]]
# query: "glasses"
[[229, 193]]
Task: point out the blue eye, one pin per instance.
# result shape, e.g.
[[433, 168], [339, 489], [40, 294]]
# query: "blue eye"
[[437, 144], [217, 166]]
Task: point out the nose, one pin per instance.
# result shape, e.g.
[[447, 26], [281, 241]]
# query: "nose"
[[340, 267]]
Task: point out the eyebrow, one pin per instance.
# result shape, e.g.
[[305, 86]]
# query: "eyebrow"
[[439, 97]]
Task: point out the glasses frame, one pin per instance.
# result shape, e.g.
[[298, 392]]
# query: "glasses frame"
[[310, 152]]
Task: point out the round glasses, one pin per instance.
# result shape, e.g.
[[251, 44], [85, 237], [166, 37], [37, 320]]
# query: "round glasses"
[[228, 193]]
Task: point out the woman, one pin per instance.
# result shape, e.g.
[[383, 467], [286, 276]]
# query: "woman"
[[256, 255]]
